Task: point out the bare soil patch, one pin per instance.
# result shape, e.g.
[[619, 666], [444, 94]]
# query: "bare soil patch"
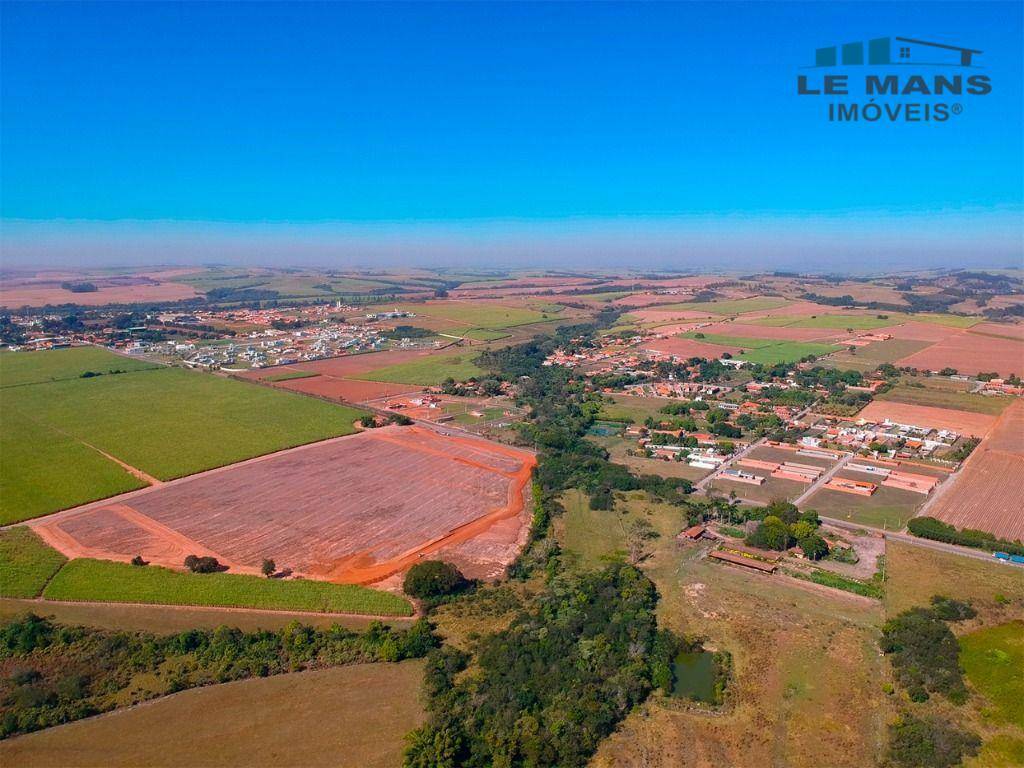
[[964, 422]]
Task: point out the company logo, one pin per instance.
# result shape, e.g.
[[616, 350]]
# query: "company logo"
[[891, 68]]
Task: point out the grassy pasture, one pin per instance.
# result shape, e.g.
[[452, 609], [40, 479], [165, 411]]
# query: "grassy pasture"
[[171, 422], [993, 659], [26, 563], [18, 368], [44, 470], [428, 372], [344, 717], [945, 398], [731, 307], [106, 581], [841, 322], [485, 334], [730, 341], [786, 352]]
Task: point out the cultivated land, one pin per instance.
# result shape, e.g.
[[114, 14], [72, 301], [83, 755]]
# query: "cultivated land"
[[971, 353], [356, 509], [103, 581], [57, 364], [945, 397], [26, 563], [986, 493], [345, 717], [734, 307], [786, 352], [966, 423], [868, 358], [193, 421], [429, 372]]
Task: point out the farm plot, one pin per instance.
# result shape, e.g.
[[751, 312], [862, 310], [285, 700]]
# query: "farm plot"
[[868, 358], [171, 422], [352, 510], [18, 368], [776, 332], [428, 372], [787, 352], [971, 353], [732, 307], [964, 422], [985, 495], [941, 395], [476, 314]]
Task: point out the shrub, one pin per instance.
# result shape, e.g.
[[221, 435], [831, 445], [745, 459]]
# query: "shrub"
[[925, 655], [137, 560], [929, 743], [203, 564], [433, 578]]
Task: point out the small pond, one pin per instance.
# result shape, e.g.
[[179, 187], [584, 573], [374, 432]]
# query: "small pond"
[[695, 676]]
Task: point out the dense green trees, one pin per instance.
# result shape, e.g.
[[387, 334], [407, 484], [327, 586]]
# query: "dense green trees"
[[924, 652], [929, 743], [432, 579], [550, 687], [930, 528]]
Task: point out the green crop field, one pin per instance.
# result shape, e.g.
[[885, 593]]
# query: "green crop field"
[[730, 341], [993, 659], [172, 422], [786, 352], [288, 375], [26, 563], [733, 307], [945, 398], [873, 355], [44, 470], [484, 334], [106, 581], [427, 372], [17, 368], [492, 316]]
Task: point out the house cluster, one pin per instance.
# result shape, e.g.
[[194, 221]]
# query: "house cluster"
[[891, 476], [900, 440]]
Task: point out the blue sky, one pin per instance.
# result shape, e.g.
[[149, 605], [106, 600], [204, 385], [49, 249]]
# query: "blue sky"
[[543, 124]]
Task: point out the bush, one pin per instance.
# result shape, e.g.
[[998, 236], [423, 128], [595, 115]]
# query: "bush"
[[930, 528], [929, 743], [925, 655], [948, 609], [433, 578], [137, 560], [203, 564]]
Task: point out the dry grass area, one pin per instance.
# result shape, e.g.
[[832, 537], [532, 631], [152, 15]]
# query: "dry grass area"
[[963, 422], [345, 717], [807, 675]]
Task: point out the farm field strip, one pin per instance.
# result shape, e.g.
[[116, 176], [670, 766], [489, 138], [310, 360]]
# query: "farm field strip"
[[338, 509], [964, 422]]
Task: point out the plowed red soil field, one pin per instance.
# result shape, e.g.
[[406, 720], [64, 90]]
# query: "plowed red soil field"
[[986, 494], [971, 353], [687, 348], [964, 422], [355, 509]]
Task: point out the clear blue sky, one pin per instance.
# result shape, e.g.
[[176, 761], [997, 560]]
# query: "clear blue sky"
[[408, 114]]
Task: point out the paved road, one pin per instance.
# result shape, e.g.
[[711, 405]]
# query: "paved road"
[[822, 480]]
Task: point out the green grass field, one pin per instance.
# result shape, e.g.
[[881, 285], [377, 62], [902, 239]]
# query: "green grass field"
[[26, 563], [786, 352], [44, 470], [945, 398], [993, 659], [733, 307], [484, 334], [106, 581], [18, 368], [492, 316], [172, 422], [730, 341], [288, 375], [427, 372]]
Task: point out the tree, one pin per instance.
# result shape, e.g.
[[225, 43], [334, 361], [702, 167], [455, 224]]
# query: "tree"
[[137, 560], [203, 564], [269, 567], [433, 578], [786, 511], [638, 533], [929, 743], [771, 534], [813, 546]]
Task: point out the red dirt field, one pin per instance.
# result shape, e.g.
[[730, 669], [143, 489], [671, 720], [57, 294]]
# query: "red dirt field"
[[650, 299], [986, 494], [354, 509], [687, 348], [1000, 329], [773, 332], [347, 390], [42, 293], [667, 315], [971, 353], [914, 331], [964, 422]]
